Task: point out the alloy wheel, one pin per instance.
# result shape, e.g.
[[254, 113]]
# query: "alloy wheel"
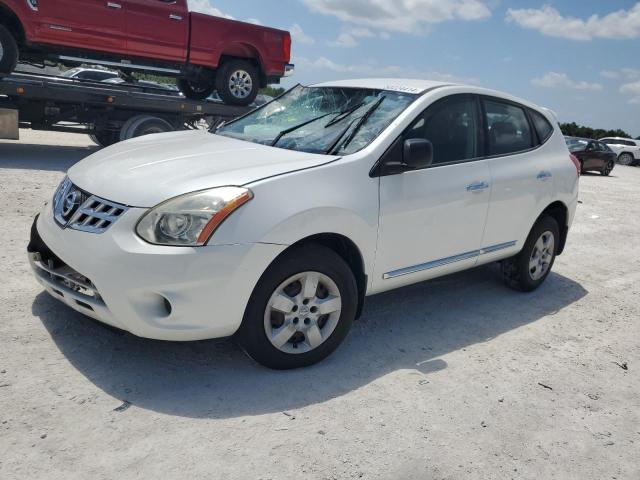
[[302, 312], [542, 256], [240, 84]]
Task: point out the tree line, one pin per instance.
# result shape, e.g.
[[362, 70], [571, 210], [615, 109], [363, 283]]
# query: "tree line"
[[574, 130]]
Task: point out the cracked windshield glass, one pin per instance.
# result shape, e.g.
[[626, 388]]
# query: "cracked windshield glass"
[[328, 120]]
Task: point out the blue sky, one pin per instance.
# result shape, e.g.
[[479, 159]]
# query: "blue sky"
[[580, 58]]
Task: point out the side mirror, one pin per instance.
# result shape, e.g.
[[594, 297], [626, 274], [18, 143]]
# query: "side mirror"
[[590, 148], [418, 153]]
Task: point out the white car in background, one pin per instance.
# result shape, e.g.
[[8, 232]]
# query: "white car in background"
[[275, 227], [90, 74], [627, 149]]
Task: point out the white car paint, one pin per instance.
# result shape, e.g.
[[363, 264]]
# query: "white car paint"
[[623, 145], [399, 223]]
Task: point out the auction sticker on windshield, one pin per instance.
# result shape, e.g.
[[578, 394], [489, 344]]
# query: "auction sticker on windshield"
[[403, 89]]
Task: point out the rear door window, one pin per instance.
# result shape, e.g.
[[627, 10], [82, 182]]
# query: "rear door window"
[[508, 129]]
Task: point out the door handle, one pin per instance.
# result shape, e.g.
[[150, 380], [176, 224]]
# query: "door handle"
[[544, 175], [114, 5], [175, 17], [477, 187]]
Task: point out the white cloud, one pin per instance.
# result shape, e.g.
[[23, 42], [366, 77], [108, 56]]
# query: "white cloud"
[[344, 40], [624, 73], [204, 6], [255, 21], [562, 80], [622, 24], [323, 64], [407, 16], [299, 36], [633, 90]]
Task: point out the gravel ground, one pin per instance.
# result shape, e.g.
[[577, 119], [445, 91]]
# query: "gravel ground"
[[457, 378]]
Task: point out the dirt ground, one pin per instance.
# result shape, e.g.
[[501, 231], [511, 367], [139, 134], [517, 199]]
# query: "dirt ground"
[[457, 378]]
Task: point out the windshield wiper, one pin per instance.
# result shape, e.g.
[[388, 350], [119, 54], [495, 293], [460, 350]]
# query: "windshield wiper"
[[344, 114], [296, 127], [363, 119]]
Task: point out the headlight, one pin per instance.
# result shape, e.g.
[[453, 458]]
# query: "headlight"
[[190, 220]]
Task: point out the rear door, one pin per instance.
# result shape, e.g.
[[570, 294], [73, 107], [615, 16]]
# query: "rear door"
[[431, 220], [522, 176], [158, 29], [96, 25]]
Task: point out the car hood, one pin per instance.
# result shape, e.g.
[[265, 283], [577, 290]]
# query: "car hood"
[[149, 170]]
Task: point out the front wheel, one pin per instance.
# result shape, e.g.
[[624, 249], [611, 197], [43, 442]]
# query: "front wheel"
[[301, 309], [626, 159], [197, 89], [8, 51], [238, 82], [531, 267]]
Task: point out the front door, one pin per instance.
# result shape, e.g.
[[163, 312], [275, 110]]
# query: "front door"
[[158, 29], [93, 25], [432, 220]]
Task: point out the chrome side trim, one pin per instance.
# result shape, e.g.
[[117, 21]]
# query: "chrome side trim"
[[430, 265], [448, 260], [495, 248], [61, 28], [118, 64]]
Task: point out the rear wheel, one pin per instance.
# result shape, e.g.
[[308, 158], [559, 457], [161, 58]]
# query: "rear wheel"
[[141, 125], [530, 268], [608, 168], [199, 89], [105, 138], [301, 309], [238, 82], [626, 159], [8, 51]]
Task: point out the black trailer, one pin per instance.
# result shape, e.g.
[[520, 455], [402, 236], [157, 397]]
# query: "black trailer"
[[107, 112]]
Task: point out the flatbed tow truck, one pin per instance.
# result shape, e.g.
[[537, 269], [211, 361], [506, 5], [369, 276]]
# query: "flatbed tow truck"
[[109, 113]]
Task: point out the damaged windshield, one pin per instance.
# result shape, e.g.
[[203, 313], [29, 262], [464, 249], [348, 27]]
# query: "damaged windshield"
[[329, 120]]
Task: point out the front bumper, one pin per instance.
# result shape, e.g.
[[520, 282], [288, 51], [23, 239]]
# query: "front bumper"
[[164, 293]]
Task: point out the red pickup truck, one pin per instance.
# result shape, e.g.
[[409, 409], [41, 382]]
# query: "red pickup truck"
[[206, 53]]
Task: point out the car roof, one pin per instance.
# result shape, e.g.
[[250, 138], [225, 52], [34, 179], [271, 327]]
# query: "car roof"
[[619, 138], [406, 85]]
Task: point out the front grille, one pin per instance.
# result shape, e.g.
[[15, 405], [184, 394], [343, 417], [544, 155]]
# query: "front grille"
[[78, 210]]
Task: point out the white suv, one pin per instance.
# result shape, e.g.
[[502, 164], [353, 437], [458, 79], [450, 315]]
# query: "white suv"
[[627, 149], [276, 227]]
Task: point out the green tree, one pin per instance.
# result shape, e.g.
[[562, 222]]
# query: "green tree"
[[574, 130]]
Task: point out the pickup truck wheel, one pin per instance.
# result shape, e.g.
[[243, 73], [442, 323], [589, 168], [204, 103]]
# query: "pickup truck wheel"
[[8, 51], [301, 309], [531, 267], [238, 82], [197, 90]]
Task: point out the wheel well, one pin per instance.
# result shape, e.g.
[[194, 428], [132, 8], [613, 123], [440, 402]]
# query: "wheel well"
[[349, 252], [559, 212], [11, 21], [244, 51]]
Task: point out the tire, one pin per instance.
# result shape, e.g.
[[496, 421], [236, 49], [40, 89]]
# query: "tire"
[[8, 52], [582, 170], [626, 159], [105, 138], [238, 82], [197, 90], [517, 271], [608, 168], [286, 278], [141, 125]]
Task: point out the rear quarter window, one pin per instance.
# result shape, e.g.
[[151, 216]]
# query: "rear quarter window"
[[508, 128], [542, 125]]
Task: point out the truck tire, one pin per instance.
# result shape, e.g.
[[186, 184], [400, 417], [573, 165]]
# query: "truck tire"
[[197, 90], [141, 125], [238, 82], [8, 51], [105, 138]]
